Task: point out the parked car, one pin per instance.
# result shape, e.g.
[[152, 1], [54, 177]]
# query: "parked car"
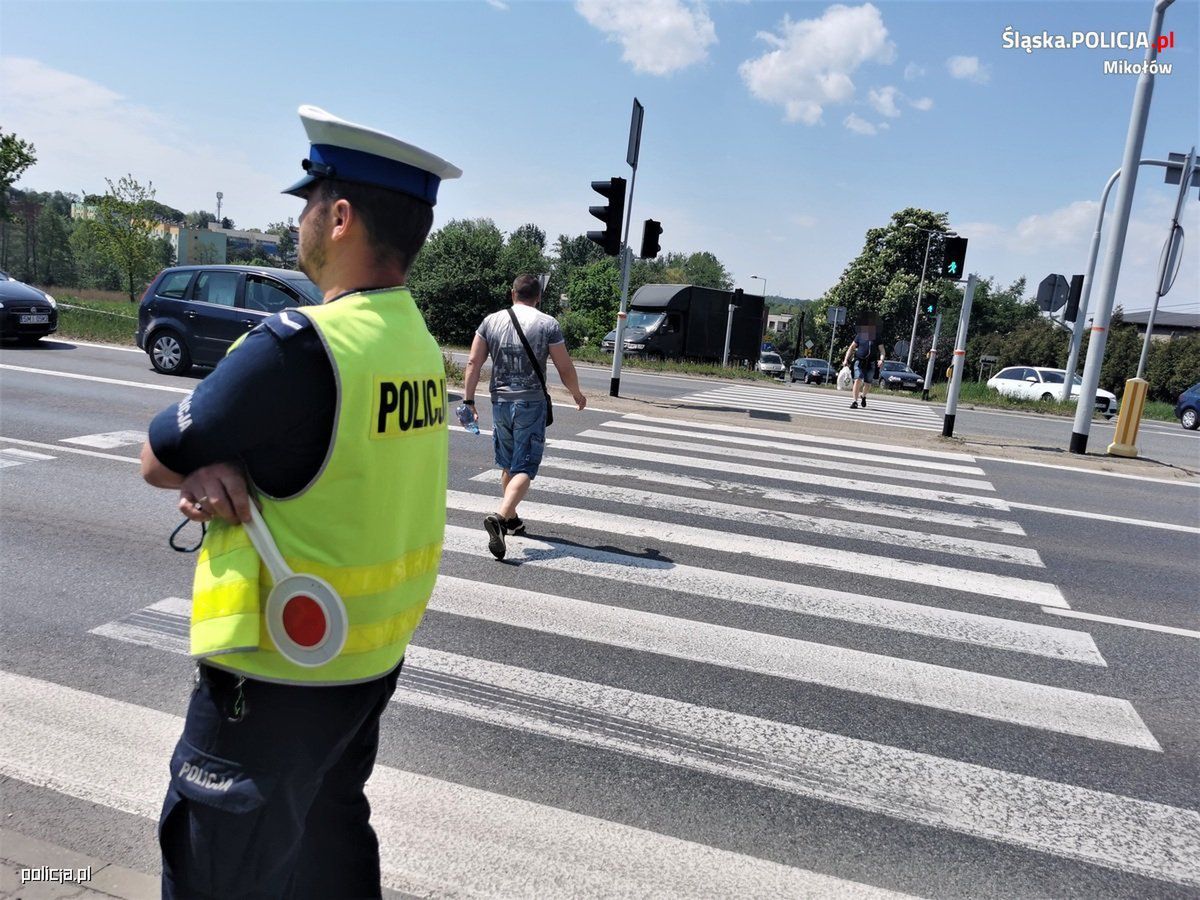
[[811, 371], [1188, 407], [771, 364], [1029, 383], [190, 315], [26, 313], [896, 375]]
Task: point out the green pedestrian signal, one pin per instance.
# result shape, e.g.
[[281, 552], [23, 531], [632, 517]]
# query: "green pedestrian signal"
[[954, 255]]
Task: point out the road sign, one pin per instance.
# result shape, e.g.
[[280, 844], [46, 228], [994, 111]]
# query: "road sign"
[[635, 133], [836, 315], [808, 345], [1052, 293]]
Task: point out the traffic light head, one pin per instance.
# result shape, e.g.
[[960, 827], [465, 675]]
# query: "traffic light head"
[[954, 256], [929, 304], [612, 190], [651, 232]]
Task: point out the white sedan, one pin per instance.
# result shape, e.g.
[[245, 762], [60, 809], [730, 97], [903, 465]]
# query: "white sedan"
[[1029, 383], [772, 364]]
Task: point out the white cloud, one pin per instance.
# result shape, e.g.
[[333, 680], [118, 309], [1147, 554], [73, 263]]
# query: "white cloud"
[[812, 60], [884, 101], [912, 72], [968, 68], [659, 36], [859, 125], [84, 132], [498, 4], [1059, 241], [924, 104]]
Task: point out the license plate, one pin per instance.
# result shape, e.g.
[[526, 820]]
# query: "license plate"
[[34, 320]]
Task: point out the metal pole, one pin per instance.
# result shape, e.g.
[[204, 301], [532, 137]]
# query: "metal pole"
[[937, 329], [1134, 140], [728, 333], [614, 385], [960, 357], [920, 296], [1171, 252], [832, 335]]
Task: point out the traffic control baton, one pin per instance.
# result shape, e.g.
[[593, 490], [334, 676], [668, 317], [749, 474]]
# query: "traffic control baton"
[[306, 618]]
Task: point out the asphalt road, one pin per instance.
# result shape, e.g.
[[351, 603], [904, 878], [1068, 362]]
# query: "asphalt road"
[[1165, 442], [731, 659]]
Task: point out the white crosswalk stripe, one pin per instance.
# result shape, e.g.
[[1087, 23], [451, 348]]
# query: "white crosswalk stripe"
[[817, 404], [894, 575], [11, 456]]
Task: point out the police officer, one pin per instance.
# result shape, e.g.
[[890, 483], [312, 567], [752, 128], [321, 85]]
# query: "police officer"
[[334, 418]]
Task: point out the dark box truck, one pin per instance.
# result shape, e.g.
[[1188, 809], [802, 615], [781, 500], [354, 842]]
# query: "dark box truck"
[[682, 321]]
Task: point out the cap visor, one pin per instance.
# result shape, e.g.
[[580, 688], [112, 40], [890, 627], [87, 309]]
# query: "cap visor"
[[297, 189]]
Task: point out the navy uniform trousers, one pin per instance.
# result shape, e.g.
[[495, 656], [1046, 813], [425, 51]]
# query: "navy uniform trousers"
[[266, 796]]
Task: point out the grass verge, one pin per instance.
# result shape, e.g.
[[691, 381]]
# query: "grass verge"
[[103, 321], [668, 366]]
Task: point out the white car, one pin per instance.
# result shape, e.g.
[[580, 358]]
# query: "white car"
[[772, 364], [1030, 383]]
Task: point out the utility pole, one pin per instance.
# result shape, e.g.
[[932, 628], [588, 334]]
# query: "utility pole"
[[1134, 140]]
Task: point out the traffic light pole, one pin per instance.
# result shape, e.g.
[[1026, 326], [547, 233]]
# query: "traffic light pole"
[[1134, 140], [960, 359], [631, 157], [920, 296], [614, 385], [929, 366]]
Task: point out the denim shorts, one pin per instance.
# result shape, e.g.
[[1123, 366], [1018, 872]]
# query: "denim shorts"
[[519, 435], [865, 370]]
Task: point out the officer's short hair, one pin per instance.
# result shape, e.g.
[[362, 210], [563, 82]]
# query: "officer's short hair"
[[397, 223], [527, 288]]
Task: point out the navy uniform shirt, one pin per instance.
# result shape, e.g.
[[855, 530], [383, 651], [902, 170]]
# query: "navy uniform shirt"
[[269, 405]]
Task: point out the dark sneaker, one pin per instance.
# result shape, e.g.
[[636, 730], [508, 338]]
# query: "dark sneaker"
[[863, 402], [854, 404], [515, 526], [495, 530]]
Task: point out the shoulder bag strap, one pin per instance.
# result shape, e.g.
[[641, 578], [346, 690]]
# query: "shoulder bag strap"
[[537, 370]]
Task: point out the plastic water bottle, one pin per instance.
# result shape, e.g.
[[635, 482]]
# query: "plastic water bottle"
[[467, 417]]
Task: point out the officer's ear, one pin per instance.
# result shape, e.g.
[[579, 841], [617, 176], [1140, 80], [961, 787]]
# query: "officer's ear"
[[342, 218]]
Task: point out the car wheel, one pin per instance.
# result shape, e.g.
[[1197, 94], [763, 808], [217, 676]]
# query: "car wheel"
[[1189, 420], [1046, 398], [168, 353]]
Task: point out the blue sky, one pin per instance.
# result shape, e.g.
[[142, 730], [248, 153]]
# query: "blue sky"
[[775, 133]]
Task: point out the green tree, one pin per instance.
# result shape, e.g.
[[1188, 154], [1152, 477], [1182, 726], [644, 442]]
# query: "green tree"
[[16, 156], [703, 269], [125, 230], [57, 258], [1173, 367], [595, 292], [457, 278], [523, 255], [199, 219], [884, 279], [93, 267], [287, 243]]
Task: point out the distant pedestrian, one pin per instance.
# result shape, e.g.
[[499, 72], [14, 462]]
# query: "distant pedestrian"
[[865, 356], [518, 340]]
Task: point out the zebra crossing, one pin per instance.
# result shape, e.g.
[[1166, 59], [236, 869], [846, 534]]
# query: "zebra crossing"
[[789, 402], [744, 611]]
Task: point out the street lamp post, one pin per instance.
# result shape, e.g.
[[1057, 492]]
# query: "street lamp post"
[[921, 291]]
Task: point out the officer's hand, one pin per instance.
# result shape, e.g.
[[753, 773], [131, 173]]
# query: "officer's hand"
[[580, 401], [215, 490]]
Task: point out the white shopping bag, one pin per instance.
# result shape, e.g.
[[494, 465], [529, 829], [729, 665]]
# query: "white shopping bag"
[[845, 379]]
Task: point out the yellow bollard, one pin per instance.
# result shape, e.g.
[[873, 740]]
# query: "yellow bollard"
[[1132, 403]]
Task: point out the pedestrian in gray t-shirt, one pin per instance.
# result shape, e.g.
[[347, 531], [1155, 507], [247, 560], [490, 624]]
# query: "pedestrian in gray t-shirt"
[[518, 404]]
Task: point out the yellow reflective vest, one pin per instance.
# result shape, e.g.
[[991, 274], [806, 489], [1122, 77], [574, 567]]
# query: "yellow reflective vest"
[[371, 523]]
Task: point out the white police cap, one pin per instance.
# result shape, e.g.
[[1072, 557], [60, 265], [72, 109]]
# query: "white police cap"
[[348, 152]]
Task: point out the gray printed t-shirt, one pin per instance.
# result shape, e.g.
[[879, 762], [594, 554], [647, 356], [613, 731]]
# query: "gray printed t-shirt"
[[512, 376]]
